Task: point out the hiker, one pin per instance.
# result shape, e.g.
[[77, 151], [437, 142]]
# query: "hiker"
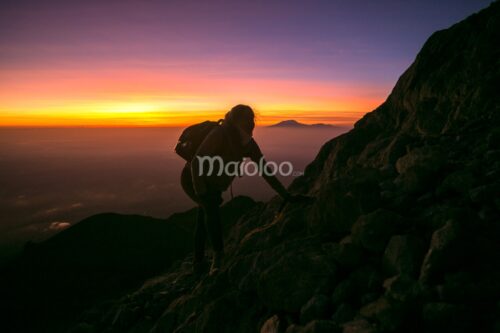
[[231, 139]]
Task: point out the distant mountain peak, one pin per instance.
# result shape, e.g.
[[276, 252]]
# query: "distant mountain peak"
[[294, 123]]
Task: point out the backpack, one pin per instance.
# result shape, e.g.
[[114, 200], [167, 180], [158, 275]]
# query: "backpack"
[[192, 137]]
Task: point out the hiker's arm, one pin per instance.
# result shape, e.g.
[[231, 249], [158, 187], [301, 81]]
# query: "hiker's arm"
[[283, 192], [207, 148], [275, 184], [256, 155]]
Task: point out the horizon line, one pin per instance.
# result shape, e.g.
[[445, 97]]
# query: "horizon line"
[[147, 126]]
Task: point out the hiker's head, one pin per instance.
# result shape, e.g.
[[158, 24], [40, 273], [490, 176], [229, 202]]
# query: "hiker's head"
[[242, 117]]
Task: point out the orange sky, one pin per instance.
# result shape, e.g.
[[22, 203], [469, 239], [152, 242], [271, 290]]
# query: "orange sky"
[[170, 63], [139, 97]]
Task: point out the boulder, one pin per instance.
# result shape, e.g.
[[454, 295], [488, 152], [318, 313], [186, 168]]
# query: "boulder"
[[321, 326], [367, 194], [177, 311], [436, 216], [315, 326], [346, 253], [396, 148], [341, 201], [318, 307], [403, 255], [402, 288], [126, 316], [358, 325], [488, 212], [335, 210], [294, 328], [294, 279], [345, 291], [225, 309], [390, 314], [372, 231], [367, 279], [272, 325], [485, 193], [458, 182], [369, 297], [166, 323], [419, 157], [419, 167], [343, 313], [444, 250]]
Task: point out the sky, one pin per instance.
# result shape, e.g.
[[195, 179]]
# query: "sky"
[[172, 62]]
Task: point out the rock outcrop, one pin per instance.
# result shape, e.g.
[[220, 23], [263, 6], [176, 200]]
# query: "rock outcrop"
[[404, 235]]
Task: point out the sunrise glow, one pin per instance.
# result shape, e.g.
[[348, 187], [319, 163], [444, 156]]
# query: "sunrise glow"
[[171, 63], [167, 63], [142, 98]]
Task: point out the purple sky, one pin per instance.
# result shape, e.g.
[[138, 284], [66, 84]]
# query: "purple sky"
[[360, 45]]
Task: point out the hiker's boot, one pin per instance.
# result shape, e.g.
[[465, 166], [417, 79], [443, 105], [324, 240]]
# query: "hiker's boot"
[[216, 262]]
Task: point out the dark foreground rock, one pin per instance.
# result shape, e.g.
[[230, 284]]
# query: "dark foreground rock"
[[100, 258]]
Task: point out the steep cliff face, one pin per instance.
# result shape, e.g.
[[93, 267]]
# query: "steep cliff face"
[[404, 233], [449, 91]]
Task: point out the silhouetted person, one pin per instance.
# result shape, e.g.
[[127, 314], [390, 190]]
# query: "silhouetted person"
[[232, 141]]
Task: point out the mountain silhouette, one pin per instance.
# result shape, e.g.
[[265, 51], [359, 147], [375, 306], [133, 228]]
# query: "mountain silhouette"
[[97, 258], [295, 124], [403, 236]]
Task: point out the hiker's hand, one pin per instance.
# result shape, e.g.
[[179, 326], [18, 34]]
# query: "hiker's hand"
[[299, 198]]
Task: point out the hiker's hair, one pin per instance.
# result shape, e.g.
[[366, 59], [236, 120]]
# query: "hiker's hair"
[[238, 113]]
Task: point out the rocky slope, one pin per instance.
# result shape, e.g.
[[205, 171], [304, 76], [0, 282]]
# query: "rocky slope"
[[404, 235]]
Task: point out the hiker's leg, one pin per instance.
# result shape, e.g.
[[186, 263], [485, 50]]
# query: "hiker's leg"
[[212, 220], [211, 204], [213, 224], [200, 232], [200, 235]]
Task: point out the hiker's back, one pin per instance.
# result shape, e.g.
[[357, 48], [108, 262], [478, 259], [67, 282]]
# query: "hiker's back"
[[192, 137]]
